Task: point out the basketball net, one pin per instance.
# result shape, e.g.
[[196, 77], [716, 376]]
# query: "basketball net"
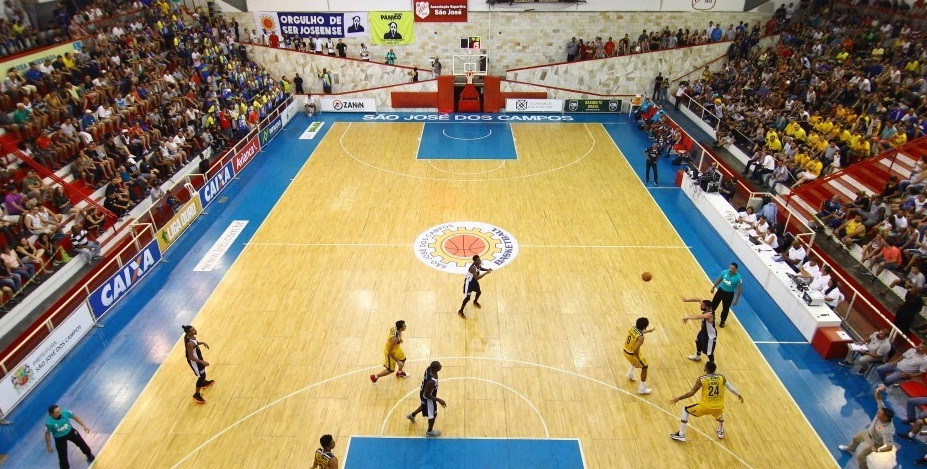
[[470, 74]]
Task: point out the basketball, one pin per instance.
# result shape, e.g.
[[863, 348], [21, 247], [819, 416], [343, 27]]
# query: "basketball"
[[646, 276], [464, 246]]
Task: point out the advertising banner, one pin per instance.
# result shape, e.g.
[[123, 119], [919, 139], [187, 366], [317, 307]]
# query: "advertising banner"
[[391, 27], [440, 11], [268, 133], [265, 21], [43, 359], [348, 105], [311, 131], [246, 154], [289, 111], [21, 63], [311, 24], [533, 105], [593, 105], [106, 295], [181, 221], [216, 184]]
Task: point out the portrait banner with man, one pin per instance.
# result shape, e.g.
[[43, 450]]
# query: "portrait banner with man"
[[391, 27]]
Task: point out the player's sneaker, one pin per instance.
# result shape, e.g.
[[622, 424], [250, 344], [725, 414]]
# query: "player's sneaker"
[[208, 383], [720, 434], [373, 379], [432, 433], [411, 418], [461, 314], [676, 436], [695, 358], [199, 399], [630, 375], [643, 389], [844, 448], [477, 304], [401, 374]]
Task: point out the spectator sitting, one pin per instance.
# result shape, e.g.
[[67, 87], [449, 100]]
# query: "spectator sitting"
[[876, 349], [82, 243], [851, 231], [907, 366]]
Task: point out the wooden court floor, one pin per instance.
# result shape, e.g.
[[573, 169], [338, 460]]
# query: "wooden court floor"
[[300, 319]]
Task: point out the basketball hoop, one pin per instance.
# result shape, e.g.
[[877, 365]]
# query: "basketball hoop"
[[470, 74]]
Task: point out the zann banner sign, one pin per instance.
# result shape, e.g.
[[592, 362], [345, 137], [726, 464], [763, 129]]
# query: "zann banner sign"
[[441, 11], [391, 27], [593, 105]]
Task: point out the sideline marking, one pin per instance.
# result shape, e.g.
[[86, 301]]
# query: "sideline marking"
[[541, 246], [363, 371], [775, 342], [221, 246]]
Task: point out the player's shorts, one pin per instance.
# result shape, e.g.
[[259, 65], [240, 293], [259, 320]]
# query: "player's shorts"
[[429, 408], [198, 369], [471, 287], [705, 344], [392, 358], [698, 410], [637, 361]]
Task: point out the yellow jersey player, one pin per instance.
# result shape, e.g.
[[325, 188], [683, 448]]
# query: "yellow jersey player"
[[324, 458], [394, 356], [633, 354], [713, 388]]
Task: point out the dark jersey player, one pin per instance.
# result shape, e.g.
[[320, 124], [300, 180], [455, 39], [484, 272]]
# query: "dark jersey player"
[[475, 272], [195, 359], [707, 336], [428, 394]]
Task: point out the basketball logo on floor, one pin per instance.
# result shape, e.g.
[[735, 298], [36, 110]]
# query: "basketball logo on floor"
[[450, 247]]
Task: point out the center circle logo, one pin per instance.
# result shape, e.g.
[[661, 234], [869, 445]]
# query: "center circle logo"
[[450, 247]]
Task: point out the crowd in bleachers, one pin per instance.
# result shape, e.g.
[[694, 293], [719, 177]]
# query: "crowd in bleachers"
[[136, 104], [741, 34], [837, 88]]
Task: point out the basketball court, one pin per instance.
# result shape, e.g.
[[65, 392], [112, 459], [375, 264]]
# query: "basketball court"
[[376, 226]]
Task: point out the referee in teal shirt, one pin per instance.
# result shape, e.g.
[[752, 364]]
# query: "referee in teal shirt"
[[727, 291], [58, 425]]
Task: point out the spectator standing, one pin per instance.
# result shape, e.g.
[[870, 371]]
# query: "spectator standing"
[[342, 48], [326, 81], [390, 57], [436, 67], [298, 84], [572, 48], [364, 53], [657, 86], [913, 303]]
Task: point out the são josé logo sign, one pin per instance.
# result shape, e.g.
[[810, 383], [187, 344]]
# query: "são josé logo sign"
[[450, 247]]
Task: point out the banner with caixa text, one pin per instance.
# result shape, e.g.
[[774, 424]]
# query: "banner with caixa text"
[[391, 27]]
